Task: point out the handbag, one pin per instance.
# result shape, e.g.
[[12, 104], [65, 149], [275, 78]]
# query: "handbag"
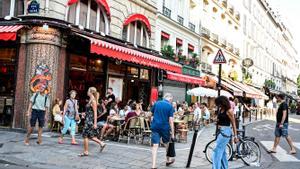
[[171, 149]]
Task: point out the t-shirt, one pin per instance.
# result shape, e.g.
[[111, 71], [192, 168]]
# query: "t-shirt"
[[71, 108], [40, 101], [56, 110], [162, 111], [129, 115], [113, 99], [197, 113], [282, 107]]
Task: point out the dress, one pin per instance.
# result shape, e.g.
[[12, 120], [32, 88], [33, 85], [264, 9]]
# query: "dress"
[[88, 128]]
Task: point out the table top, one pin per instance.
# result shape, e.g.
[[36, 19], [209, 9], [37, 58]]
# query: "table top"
[[117, 118], [178, 121]]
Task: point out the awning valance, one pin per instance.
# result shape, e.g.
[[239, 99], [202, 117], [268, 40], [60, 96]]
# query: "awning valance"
[[185, 78], [139, 17], [100, 2], [9, 32], [130, 55]]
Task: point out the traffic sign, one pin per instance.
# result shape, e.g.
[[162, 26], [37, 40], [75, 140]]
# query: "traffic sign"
[[220, 58]]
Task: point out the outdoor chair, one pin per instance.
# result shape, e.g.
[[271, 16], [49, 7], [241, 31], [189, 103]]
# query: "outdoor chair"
[[146, 131], [128, 130]]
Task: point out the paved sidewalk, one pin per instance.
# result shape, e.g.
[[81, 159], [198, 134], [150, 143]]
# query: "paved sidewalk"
[[50, 155]]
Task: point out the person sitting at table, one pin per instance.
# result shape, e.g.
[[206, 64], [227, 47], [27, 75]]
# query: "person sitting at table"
[[102, 114], [110, 124], [134, 112], [206, 115]]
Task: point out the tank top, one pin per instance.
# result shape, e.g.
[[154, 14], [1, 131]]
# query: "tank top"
[[223, 119]]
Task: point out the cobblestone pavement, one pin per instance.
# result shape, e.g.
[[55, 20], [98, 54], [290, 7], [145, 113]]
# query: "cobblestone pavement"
[[50, 155]]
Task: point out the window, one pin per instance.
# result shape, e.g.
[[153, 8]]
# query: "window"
[[88, 14], [164, 39], [144, 74], [136, 33], [19, 7], [4, 8]]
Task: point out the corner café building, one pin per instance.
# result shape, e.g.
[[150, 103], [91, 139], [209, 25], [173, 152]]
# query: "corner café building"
[[37, 51]]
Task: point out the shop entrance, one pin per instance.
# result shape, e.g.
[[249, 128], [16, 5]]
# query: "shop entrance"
[[7, 82]]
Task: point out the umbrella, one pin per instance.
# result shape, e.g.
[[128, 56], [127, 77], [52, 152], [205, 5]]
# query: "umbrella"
[[206, 92]]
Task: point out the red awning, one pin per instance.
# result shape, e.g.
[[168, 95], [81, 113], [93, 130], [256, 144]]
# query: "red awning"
[[130, 55], [191, 47], [178, 41], [101, 2], [9, 32], [185, 78], [138, 17], [165, 35]]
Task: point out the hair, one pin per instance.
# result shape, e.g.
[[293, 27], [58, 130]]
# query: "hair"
[[204, 104], [94, 92], [133, 106], [231, 98], [223, 102], [112, 106], [281, 96], [72, 91], [168, 96], [56, 101], [110, 88]]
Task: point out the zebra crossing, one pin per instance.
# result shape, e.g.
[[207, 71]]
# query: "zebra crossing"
[[282, 155]]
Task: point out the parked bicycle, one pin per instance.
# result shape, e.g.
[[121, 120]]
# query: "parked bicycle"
[[246, 149]]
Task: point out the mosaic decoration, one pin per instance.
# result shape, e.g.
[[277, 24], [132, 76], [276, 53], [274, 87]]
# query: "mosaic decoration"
[[41, 78]]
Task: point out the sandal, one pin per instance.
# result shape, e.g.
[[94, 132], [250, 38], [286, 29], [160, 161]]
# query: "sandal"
[[26, 143], [271, 151], [74, 143], [39, 142], [83, 155], [293, 152], [60, 141], [171, 162], [102, 147]]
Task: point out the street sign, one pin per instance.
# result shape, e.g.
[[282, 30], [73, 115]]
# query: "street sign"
[[220, 58], [33, 7]]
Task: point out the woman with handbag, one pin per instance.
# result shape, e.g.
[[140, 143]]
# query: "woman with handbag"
[[70, 115], [225, 119]]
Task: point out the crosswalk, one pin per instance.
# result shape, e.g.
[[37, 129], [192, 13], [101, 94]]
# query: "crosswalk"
[[282, 155]]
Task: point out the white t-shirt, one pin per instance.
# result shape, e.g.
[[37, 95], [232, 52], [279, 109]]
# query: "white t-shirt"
[[207, 114], [197, 113]]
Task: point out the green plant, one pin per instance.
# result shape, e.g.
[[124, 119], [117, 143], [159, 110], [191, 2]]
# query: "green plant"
[[194, 55], [270, 84], [167, 51], [197, 61]]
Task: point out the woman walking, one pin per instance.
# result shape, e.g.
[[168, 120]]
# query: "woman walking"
[[225, 118], [90, 130], [70, 114]]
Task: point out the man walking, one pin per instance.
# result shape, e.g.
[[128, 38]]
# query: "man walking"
[[281, 129], [38, 108], [162, 124]]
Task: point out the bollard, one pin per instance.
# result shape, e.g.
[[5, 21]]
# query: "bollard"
[[255, 114], [192, 148], [250, 115]]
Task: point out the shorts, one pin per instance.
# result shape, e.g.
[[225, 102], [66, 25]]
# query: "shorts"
[[101, 123], [37, 115], [157, 134], [281, 132]]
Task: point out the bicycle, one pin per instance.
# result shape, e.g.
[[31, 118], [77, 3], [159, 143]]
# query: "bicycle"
[[246, 149]]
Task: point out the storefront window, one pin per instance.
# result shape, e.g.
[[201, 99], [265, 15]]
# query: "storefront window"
[[144, 74], [133, 72], [95, 65], [7, 69], [78, 62], [117, 69]]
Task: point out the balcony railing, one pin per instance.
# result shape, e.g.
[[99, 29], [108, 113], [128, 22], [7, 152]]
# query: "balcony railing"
[[205, 32], [180, 20], [215, 38], [230, 47], [237, 16], [231, 9], [205, 67], [192, 26], [167, 12], [224, 3], [223, 42], [236, 51]]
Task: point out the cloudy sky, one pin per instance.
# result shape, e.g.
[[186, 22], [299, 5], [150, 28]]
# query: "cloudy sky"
[[290, 13]]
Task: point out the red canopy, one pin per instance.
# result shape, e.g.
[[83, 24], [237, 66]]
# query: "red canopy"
[[138, 17], [130, 55], [9, 32], [101, 2], [185, 78]]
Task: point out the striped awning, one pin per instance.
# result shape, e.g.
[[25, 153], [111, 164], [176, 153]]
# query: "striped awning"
[[9, 32]]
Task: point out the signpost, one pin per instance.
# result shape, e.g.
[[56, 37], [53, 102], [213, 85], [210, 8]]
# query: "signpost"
[[219, 59]]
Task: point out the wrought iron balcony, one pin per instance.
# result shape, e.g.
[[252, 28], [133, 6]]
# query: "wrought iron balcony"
[[167, 12], [205, 32], [192, 26], [231, 9], [180, 20], [237, 16], [224, 3], [215, 38]]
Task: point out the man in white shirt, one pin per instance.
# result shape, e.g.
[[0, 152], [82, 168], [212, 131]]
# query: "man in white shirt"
[[197, 113], [206, 116]]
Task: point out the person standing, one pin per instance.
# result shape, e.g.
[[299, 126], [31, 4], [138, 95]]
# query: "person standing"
[[70, 114], [90, 129], [225, 118], [197, 113], [110, 98], [38, 110], [206, 113], [161, 125], [282, 123]]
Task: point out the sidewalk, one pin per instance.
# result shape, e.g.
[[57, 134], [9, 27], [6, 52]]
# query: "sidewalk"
[[51, 155]]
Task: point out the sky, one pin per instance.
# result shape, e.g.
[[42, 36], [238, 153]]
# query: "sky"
[[290, 13]]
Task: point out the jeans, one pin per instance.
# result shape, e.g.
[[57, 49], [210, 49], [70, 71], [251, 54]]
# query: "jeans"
[[67, 124], [219, 155]]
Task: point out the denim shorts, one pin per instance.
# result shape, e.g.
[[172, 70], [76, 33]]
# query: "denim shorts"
[[157, 134], [37, 115], [281, 132]]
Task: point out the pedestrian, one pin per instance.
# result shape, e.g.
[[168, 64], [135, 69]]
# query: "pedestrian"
[[70, 115], [225, 117], [161, 126], [206, 116], [56, 111], [197, 113], [38, 110], [282, 123], [90, 130]]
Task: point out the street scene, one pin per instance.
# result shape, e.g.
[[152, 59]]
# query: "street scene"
[[109, 84]]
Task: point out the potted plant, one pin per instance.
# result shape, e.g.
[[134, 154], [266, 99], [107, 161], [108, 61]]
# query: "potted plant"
[[167, 51], [181, 58], [187, 61], [176, 58]]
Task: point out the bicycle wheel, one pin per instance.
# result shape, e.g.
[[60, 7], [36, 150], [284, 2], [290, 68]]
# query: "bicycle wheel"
[[249, 152], [210, 148]]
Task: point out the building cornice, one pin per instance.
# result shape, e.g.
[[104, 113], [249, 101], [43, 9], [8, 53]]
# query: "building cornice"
[[145, 5]]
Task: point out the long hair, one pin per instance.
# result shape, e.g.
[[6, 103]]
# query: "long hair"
[[94, 92], [223, 102]]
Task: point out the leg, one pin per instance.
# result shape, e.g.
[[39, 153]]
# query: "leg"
[[103, 131], [154, 154], [86, 146], [290, 142], [73, 128], [29, 132], [276, 142], [67, 123], [40, 131], [217, 158], [224, 161], [110, 129]]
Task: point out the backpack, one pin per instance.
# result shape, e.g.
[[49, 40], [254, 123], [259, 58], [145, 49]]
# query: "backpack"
[[36, 95]]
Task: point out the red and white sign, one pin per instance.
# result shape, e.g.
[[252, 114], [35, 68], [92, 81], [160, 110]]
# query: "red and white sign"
[[185, 78], [220, 58]]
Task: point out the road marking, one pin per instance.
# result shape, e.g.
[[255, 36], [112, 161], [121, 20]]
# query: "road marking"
[[281, 155]]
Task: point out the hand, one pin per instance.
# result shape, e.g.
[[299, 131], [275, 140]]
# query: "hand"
[[27, 113], [95, 126], [236, 140], [280, 125], [172, 135]]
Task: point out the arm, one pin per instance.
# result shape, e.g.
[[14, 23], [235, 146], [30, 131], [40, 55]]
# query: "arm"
[[284, 113], [29, 108], [94, 106], [171, 122], [65, 108], [231, 117]]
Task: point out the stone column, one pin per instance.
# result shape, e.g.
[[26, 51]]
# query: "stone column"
[[43, 48]]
